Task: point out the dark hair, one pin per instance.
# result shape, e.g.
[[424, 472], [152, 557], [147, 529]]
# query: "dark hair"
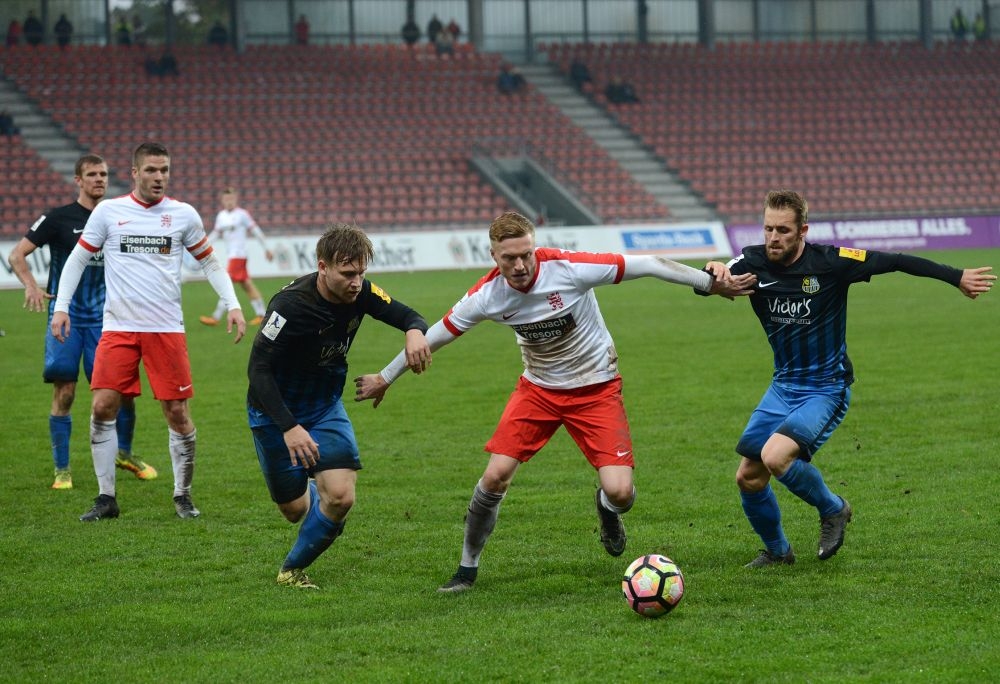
[[148, 149], [789, 199], [344, 243], [87, 160]]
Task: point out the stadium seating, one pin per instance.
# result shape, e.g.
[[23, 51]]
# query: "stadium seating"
[[31, 186], [860, 129], [377, 134]]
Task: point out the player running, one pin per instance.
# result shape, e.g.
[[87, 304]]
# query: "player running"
[[297, 371], [570, 370], [235, 224], [801, 301]]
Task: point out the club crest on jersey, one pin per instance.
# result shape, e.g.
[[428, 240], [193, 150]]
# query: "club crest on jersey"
[[810, 284], [166, 220], [275, 324], [555, 301], [353, 325]]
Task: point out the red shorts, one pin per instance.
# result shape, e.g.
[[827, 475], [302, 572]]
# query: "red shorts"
[[594, 417], [237, 269], [164, 356]]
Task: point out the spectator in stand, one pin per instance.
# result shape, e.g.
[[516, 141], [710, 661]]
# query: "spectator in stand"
[[138, 31], [959, 24], [579, 74], [444, 43], [7, 126], [454, 30], [410, 32], [510, 81], [218, 35], [302, 30], [979, 27], [620, 91], [13, 33], [434, 27], [123, 35], [168, 64], [34, 32], [63, 30]]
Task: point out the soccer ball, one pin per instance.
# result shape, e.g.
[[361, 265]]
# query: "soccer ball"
[[653, 585]]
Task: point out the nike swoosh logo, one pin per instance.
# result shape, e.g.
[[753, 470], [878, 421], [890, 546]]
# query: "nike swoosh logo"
[[763, 285], [184, 388], [77, 231], [122, 223], [510, 315], [622, 454]]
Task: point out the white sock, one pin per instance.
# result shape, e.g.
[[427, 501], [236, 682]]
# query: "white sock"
[[182, 459], [103, 450], [220, 310], [606, 503], [258, 306]]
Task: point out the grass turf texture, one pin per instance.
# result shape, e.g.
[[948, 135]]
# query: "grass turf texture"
[[912, 596]]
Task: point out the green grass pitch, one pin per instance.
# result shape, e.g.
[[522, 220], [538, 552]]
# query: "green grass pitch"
[[912, 596]]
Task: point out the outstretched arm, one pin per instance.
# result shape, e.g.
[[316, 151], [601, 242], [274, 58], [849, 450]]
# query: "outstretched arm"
[[374, 386], [709, 282], [223, 286], [976, 281]]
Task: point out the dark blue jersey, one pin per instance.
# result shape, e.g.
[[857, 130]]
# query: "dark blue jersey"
[[60, 229], [803, 306], [298, 364]]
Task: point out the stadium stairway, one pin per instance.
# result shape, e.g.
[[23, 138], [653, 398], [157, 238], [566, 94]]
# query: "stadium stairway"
[[44, 137], [623, 146]]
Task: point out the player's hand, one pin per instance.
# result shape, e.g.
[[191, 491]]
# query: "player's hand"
[[418, 352], [60, 325], [36, 299], [976, 281], [235, 318], [302, 448], [733, 286], [371, 386], [717, 269]]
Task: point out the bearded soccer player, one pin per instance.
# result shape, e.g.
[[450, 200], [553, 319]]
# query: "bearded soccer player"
[[298, 366], [570, 370], [801, 301], [60, 229], [144, 235]]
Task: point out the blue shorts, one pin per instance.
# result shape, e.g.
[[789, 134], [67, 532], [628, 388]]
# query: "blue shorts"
[[62, 359], [331, 429], [807, 415]]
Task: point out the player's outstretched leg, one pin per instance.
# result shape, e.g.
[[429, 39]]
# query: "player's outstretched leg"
[[316, 534], [831, 530], [481, 518], [612, 530]]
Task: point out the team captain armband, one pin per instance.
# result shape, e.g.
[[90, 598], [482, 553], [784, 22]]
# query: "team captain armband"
[[856, 254]]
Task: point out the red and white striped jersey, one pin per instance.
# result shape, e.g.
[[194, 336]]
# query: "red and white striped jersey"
[[143, 253], [557, 322]]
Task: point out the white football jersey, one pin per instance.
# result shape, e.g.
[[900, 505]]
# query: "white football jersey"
[[557, 322], [236, 226], [143, 255]]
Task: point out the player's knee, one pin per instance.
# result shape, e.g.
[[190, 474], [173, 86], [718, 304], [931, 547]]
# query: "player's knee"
[[752, 476], [293, 511]]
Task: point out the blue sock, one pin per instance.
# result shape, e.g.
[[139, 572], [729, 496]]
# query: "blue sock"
[[315, 536], [761, 509], [125, 424], [60, 428], [804, 480]]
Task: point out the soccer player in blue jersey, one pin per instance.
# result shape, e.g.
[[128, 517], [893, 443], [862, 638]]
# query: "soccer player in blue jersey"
[[801, 301], [60, 229], [297, 370]]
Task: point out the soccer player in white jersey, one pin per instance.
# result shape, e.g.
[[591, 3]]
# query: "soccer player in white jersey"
[[570, 369], [235, 224], [143, 235]]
